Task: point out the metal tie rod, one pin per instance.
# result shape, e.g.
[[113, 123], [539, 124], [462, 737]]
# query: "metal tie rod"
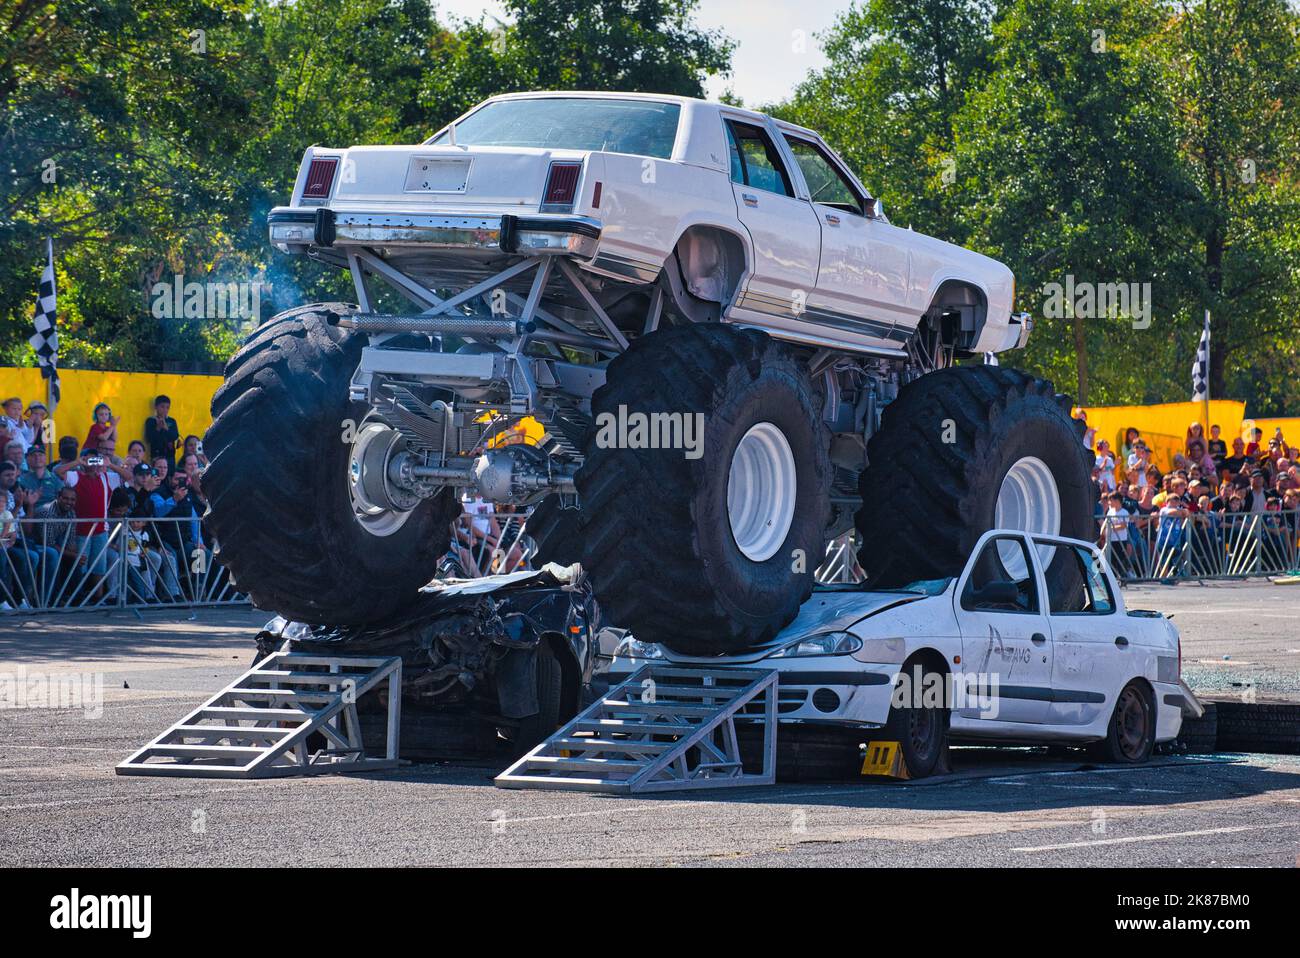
[[434, 325]]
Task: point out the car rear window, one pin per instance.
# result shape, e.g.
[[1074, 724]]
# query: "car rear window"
[[641, 127]]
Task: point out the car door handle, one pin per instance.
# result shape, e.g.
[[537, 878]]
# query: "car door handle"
[[832, 219], [1038, 638], [1121, 641], [749, 198]]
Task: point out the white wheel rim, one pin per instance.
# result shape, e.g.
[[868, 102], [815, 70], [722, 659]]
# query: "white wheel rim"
[[761, 492], [1028, 501], [369, 454]]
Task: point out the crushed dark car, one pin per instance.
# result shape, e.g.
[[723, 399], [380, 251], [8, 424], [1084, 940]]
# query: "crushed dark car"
[[489, 665]]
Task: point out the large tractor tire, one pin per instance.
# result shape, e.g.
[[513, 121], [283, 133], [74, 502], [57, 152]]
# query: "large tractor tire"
[[961, 451], [555, 531], [716, 553], [280, 505]]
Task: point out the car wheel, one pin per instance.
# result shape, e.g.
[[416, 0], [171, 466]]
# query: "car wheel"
[[1131, 735], [920, 730], [961, 451], [280, 500], [549, 674], [713, 552]]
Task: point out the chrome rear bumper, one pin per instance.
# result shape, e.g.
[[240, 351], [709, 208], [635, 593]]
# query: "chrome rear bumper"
[[295, 229]]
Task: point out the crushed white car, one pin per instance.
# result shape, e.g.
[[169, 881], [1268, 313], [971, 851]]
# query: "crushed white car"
[[1030, 644]]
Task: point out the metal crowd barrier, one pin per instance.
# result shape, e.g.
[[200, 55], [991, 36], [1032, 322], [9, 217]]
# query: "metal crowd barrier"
[[45, 566], [1209, 545]]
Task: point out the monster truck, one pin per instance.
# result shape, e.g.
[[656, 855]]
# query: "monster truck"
[[734, 354]]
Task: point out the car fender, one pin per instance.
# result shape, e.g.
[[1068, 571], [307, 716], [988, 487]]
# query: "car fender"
[[646, 205]]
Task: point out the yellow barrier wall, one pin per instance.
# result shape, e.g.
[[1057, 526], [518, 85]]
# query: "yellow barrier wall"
[[1164, 425], [130, 395]]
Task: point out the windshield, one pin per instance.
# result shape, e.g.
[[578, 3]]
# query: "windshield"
[[643, 127]]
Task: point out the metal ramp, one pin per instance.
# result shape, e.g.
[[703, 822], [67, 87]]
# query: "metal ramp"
[[664, 728], [259, 726]]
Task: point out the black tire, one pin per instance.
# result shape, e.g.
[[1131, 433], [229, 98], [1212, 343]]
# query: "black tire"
[[807, 753], [1131, 735], [921, 732], [657, 541], [549, 676], [925, 502], [277, 482], [556, 532]]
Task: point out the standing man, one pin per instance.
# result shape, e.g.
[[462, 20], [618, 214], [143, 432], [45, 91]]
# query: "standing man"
[[93, 494], [161, 433]]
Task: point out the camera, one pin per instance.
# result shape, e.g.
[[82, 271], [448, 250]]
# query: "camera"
[[95, 460]]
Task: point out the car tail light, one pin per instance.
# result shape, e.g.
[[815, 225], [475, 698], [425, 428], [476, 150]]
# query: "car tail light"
[[561, 187], [320, 177]]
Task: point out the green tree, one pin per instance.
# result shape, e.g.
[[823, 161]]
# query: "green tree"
[[1068, 166], [1234, 67], [897, 75]]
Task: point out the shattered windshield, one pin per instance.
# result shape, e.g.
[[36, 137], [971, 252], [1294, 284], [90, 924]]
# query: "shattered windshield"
[[641, 127]]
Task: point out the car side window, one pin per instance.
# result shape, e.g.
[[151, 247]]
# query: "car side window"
[[826, 184], [755, 161], [1001, 579], [1077, 585]]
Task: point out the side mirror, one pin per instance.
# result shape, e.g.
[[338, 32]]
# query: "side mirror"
[[875, 208]]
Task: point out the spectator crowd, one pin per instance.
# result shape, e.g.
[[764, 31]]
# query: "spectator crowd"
[[1219, 508], [73, 512]]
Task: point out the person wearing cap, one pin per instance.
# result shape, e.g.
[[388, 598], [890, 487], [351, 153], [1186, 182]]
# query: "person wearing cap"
[[38, 475], [161, 560], [35, 423]]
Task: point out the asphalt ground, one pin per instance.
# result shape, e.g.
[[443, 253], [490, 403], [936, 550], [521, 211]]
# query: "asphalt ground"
[[62, 805]]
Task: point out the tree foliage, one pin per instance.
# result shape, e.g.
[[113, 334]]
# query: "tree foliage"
[[173, 126], [1113, 141]]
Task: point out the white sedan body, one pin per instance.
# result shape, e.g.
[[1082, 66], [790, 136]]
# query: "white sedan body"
[[813, 272], [1048, 676]]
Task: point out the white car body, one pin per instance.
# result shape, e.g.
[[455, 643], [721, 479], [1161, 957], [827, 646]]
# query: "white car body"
[[1057, 676], [806, 272]]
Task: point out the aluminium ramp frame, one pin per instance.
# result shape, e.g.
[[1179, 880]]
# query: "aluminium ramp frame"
[[664, 728], [262, 721]]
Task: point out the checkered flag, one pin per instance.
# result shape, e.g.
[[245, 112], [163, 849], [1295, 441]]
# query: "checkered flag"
[[45, 339], [1201, 368]]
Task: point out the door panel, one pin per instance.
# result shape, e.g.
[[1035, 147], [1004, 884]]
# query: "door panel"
[[1006, 638], [1093, 657], [783, 229], [863, 274]]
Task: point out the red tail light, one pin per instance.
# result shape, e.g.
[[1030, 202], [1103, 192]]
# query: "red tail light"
[[561, 187], [320, 177]]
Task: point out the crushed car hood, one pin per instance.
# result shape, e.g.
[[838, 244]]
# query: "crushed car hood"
[[827, 610]]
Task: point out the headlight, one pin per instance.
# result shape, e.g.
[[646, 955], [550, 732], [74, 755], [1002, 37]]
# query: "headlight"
[[630, 648], [827, 643]]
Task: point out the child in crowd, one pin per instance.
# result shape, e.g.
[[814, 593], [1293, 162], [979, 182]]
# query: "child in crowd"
[[104, 426]]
